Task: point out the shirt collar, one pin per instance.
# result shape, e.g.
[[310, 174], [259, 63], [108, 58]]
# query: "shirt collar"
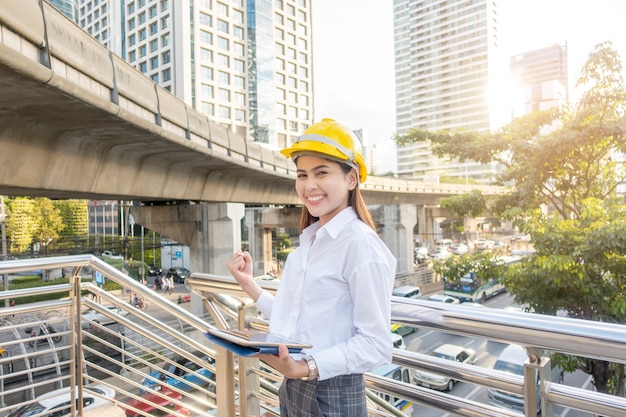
[[337, 223]]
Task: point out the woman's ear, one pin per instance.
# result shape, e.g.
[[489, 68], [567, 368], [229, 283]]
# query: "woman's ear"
[[352, 179]]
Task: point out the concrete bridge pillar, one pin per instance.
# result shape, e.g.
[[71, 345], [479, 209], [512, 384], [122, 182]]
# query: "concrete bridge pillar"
[[212, 231], [397, 223]]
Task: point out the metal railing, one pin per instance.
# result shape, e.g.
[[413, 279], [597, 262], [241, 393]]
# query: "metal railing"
[[127, 356]]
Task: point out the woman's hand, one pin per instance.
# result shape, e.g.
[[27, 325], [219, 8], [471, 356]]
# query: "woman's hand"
[[240, 266], [285, 364]]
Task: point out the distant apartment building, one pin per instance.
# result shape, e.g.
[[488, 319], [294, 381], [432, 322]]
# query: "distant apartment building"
[[245, 64], [67, 7], [448, 66], [541, 77]]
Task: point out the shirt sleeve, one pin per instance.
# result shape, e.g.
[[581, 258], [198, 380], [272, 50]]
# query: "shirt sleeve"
[[264, 304]]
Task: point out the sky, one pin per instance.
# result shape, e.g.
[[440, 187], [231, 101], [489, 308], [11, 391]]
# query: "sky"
[[353, 62]]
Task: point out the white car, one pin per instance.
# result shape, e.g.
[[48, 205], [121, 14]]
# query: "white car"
[[441, 298], [58, 402], [112, 255], [450, 352], [97, 317]]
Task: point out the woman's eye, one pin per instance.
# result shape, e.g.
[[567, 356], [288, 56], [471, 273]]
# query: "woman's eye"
[[320, 173], [301, 176]]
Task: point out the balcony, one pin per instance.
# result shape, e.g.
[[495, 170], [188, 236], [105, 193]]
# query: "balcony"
[[158, 361]]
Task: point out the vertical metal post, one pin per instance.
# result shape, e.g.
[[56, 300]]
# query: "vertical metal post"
[[5, 278], [545, 377]]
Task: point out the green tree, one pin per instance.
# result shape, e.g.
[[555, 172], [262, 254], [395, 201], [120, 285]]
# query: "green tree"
[[564, 167], [20, 225], [48, 221]]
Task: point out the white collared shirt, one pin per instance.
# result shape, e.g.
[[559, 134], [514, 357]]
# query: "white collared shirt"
[[335, 293]]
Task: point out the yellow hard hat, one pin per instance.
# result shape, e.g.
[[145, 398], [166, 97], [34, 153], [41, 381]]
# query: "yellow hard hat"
[[331, 139]]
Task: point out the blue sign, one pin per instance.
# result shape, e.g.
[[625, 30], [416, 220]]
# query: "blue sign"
[[99, 278], [179, 254]]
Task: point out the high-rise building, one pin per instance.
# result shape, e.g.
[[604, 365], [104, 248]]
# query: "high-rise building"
[[542, 78], [245, 64], [448, 68], [67, 7]]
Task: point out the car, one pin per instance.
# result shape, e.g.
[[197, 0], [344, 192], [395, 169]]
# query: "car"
[[153, 270], [440, 298], [58, 402], [407, 291], [398, 341], [511, 361], [440, 253], [92, 315], [483, 244], [112, 255], [162, 398], [458, 248], [179, 274], [198, 376], [450, 352]]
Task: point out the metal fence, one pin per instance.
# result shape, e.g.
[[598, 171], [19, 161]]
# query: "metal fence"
[[158, 361]]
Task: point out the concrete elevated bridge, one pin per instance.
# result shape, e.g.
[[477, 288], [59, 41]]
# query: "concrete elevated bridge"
[[77, 121]]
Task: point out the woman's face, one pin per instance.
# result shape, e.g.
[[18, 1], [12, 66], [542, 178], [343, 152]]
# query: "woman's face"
[[322, 186]]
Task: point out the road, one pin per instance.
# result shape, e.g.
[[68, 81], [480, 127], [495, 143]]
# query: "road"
[[425, 341]]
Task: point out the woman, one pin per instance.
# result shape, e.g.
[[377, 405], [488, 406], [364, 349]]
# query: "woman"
[[335, 290]]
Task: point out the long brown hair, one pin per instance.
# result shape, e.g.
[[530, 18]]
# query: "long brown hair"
[[355, 199]]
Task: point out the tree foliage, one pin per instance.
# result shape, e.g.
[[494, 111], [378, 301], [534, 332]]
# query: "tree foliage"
[[564, 167], [465, 205]]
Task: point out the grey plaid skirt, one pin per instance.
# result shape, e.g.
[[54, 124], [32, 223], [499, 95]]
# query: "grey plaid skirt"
[[341, 396]]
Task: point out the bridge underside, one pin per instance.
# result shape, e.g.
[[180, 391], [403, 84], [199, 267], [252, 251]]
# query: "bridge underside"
[[57, 146]]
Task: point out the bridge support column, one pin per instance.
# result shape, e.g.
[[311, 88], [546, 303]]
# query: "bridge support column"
[[397, 223], [212, 232]]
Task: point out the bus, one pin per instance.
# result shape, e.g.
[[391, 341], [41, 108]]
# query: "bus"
[[470, 288], [399, 373]]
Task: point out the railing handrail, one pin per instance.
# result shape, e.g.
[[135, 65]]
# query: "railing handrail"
[[604, 341]]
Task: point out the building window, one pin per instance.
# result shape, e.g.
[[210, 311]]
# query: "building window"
[[206, 72], [164, 5], [142, 18], [239, 65], [224, 112], [165, 57], [223, 77], [167, 74], [205, 19], [131, 23], [153, 12], [142, 35], [206, 55], [143, 67], [165, 40], [206, 90], [223, 43], [240, 115], [240, 82], [224, 95], [237, 16], [222, 8], [207, 108], [132, 40], [240, 99], [223, 60], [222, 26], [132, 56], [154, 62], [155, 78], [206, 37], [238, 32], [239, 49], [142, 51], [153, 28]]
